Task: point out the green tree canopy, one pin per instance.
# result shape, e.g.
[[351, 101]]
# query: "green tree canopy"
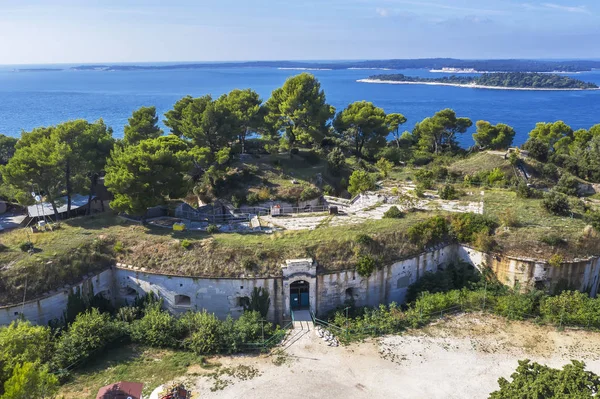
[[299, 110], [208, 123], [147, 174], [174, 118], [245, 109], [30, 380], [20, 342], [535, 381], [493, 137], [362, 124], [7, 148], [551, 133], [142, 125], [38, 160], [439, 132], [394, 122]]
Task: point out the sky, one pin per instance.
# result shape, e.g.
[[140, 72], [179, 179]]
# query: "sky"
[[93, 31]]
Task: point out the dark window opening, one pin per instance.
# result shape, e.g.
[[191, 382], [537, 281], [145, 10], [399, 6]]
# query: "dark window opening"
[[183, 300], [243, 301]]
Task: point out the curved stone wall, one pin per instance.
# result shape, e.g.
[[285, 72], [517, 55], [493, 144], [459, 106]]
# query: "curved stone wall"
[[327, 290]]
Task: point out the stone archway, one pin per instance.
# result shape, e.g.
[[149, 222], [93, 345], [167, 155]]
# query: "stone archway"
[[300, 278]]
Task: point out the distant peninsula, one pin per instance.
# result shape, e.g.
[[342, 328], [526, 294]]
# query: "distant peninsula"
[[435, 64], [508, 81]]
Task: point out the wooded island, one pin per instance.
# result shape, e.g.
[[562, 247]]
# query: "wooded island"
[[517, 80]]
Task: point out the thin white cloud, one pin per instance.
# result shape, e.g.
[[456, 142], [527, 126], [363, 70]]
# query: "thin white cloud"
[[579, 9], [427, 4], [557, 7], [382, 12]]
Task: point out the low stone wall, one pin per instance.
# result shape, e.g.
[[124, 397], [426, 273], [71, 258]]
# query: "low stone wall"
[[43, 310]]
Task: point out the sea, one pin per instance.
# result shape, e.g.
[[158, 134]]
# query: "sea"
[[30, 99]]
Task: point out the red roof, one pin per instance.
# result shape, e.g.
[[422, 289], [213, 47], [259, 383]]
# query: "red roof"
[[121, 390]]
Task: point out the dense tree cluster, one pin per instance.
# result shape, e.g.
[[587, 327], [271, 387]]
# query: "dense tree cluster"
[[148, 167], [511, 79]]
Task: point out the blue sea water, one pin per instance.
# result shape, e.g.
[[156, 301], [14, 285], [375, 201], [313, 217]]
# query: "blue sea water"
[[32, 99]]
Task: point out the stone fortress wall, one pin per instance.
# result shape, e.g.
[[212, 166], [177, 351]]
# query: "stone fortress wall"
[[327, 290]]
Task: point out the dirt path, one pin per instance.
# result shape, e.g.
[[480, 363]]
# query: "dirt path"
[[462, 357]]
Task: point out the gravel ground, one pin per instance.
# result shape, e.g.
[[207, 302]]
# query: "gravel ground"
[[461, 357]]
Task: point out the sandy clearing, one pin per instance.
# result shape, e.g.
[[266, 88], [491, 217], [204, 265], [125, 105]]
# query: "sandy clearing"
[[461, 357]]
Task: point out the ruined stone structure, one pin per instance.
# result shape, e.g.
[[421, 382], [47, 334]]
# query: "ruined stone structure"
[[302, 284]]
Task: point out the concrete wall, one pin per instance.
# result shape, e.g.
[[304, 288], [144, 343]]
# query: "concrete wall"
[[216, 295], [327, 290], [42, 310], [582, 275], [385, 285]]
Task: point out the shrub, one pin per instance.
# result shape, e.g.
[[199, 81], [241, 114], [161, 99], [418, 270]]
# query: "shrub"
[[90, 332], [26, 246], [495, 176], [567, 184], [419, 191], [365, 266], [260, 301], [392, 154], [524, 191], [156, 328], [22, 342], [336, 161], [360, 181], [311, 157], [554, 240], [212, 229], [556, 203], [309, 193], [203, 330], [328, 190], [593, 219], [364, 239], [264, 194], [537, 149], [248, 264], [454, 277], [556, 260], [483, 241], [294, 151], [466, 225], [393, 213], [30, 380], [186, 244], [384, 166], [429, 232], [549, 171], [448, 192], [515, 306], [424, 178], [252, 198]]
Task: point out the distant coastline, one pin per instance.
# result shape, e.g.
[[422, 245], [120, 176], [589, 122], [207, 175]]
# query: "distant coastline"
[[442, 65], [469, 86]]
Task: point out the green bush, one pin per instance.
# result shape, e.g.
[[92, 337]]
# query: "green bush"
[[453, 277], [360, 181], [203, 332], [515, 306], [567, 184], [118, 247], [466, 225], [366, 265], [336, 161], [364, 239], [593, 219], [186, 244], [495, 176], [448, 192], [212, 229], [157, 328], [236, 201], [22, 342], [384, 167], [328, 190], [309, 193], [429, 232], [311, 157], [393, 213], [252, 198], [90, 332], [556, 203]]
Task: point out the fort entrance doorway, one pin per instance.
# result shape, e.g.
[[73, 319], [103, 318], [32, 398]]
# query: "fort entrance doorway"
[[299, 295]]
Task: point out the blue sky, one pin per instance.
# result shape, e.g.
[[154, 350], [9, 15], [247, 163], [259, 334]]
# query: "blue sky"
[[69, 31]]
